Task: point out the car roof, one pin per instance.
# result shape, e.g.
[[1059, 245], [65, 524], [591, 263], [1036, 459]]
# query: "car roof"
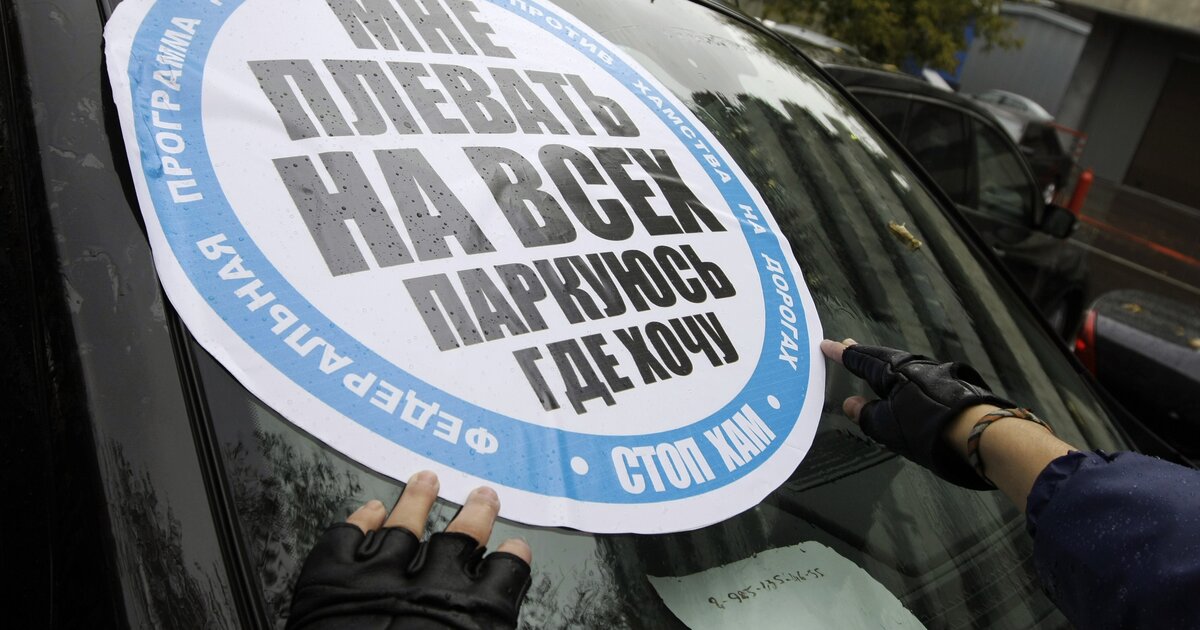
[[812, 37], [830, 57], [1012, 95], [853, 77]]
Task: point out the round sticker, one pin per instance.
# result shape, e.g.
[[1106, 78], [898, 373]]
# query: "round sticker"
[[471, 236]]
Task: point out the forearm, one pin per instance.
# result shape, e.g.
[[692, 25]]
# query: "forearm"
[[1101, 576], [1014, 451]]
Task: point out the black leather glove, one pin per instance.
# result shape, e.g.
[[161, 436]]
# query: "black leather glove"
[[388, 579], [919, 397]]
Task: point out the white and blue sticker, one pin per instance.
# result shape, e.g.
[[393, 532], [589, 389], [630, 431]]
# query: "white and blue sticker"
[[472, 236]]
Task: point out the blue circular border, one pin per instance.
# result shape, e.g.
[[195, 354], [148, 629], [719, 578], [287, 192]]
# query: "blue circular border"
[[524, 447]]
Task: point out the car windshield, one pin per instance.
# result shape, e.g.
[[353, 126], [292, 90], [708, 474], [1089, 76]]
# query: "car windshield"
[[953, 557]]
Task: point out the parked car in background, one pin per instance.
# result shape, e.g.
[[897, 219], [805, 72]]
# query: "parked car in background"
[[147, 488], [1145, 350], [1013, 111], [1034, 130], [984, 172], [1052, 165]]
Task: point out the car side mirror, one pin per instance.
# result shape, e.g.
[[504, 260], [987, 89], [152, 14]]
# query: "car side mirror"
[[1059, 222]]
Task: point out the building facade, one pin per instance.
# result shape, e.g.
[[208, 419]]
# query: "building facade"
[[1136, 93]]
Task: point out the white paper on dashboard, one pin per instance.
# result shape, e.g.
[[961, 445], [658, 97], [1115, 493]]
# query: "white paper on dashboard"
[[804, 586]]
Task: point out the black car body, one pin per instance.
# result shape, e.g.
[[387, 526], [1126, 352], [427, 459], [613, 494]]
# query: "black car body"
[[979, 166], [1145, 350], [147, 488]]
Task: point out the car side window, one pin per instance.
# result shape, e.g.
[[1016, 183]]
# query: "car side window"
[[937, 138], [890, 110], [1004, 186]]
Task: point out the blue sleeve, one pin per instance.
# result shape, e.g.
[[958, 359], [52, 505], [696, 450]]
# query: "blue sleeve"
[[1117, 540]]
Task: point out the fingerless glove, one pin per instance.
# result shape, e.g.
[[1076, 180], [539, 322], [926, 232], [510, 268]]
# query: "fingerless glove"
[[388, 579], [918, 398]]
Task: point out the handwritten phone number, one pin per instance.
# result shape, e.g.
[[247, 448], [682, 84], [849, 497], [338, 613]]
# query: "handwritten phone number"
[[772, 583]]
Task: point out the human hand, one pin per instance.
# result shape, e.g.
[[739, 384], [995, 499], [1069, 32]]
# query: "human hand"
[[921, 402], [373, 571]]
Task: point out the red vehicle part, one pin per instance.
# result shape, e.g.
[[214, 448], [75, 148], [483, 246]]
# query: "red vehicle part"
[[1085, 343], [1082, 188]]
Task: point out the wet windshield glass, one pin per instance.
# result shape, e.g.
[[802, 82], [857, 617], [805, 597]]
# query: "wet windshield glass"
[[954, 558]]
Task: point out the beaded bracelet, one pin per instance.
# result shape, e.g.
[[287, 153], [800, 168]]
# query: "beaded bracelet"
[[973, 457]]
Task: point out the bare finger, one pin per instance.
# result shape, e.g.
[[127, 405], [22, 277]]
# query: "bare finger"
[[518, 548], [368, 517], [833, 349], [478, 515], [412, 510], [853, 407]]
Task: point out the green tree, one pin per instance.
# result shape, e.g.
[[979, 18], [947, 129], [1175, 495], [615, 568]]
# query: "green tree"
[[891, 31]]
